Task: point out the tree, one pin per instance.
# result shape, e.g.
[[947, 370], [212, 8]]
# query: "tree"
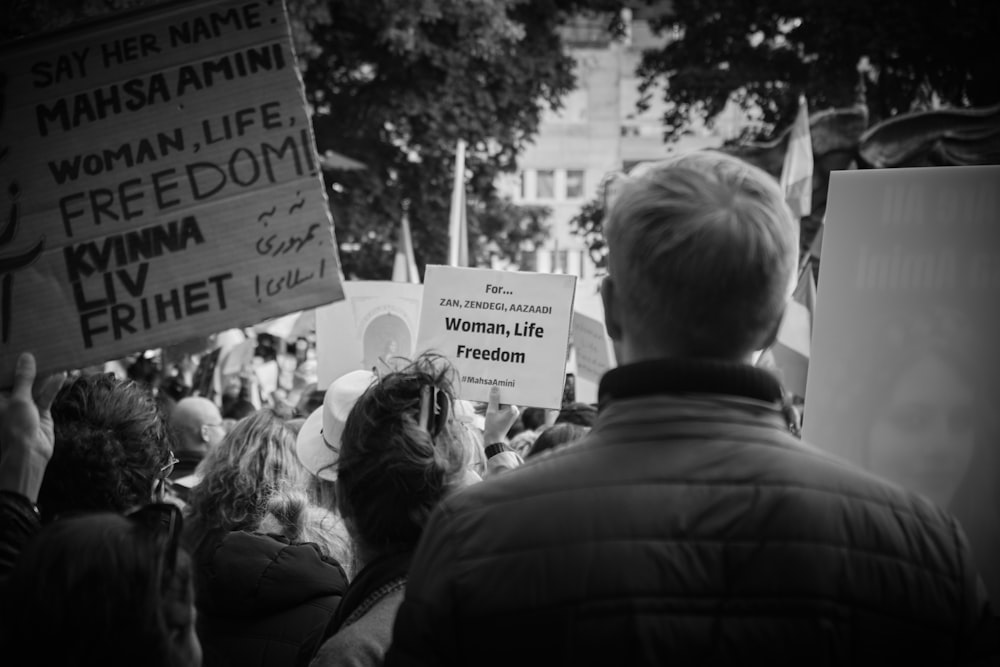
[[762, 55], [396, 83]]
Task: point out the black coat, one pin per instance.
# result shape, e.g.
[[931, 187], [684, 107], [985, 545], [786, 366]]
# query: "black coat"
[[262, 601]]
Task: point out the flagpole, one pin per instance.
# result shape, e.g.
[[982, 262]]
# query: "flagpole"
[[457, 217]]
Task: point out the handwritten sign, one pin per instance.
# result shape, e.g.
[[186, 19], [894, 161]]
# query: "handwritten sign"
[[503, 328], [158, 181], [904, 374], [374, 327]]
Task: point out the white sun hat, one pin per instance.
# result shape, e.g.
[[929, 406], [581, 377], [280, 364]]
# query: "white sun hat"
[[318, 442]]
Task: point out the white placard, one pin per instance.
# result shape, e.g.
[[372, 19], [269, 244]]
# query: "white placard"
[[904, 360], [375, 323], [503, 328]]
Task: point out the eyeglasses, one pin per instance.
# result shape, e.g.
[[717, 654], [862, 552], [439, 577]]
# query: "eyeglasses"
[[163, 522]]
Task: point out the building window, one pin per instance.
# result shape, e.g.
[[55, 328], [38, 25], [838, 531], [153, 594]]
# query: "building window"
[[524, 185], [574, 184], [545, 187]]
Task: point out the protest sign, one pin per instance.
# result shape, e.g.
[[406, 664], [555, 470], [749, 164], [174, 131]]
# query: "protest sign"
[[158, 181], [904, 374], [375, 326], [593, 354], [503, 328]]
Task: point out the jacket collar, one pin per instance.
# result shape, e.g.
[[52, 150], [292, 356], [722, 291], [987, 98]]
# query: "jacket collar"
[[374, 580], [689, 376], [698, 376]]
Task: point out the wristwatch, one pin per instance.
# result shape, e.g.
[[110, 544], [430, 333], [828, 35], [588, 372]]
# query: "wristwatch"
[[496, 448]]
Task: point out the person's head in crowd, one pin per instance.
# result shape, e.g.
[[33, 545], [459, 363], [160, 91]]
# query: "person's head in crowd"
[[556, 435], [402, 452], [319, 439], [533, 418], [582, 414], [103, 589], [294, 516], [112, 448], [253, 462], [197, 424], [267, 347], [702, 259]]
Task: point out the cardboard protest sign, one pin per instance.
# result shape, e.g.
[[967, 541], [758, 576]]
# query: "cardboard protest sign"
[[158, 181], [593, 354], [904, 374], [503, 328], [375, 326]]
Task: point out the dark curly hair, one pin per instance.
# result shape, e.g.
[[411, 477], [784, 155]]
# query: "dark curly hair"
[[112, 442], [392, 473]]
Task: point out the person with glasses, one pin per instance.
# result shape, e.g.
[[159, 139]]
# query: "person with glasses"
[[198, 427], [100, 444], [263, 600], [87, 589]]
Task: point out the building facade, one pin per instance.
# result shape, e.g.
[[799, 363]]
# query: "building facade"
[[597, 132]]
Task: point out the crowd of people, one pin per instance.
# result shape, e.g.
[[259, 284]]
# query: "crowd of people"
[[383, 521]]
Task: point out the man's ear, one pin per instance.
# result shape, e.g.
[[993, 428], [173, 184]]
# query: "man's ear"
[[612, 320], [204, 433], [772, 335]]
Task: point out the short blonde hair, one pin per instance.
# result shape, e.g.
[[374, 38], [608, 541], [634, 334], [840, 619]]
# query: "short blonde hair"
[[702, 253]]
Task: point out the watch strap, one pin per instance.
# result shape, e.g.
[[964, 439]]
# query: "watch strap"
[[496, 448]]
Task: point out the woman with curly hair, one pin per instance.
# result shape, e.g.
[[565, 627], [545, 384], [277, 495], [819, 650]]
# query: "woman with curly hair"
[[262, 599], [402, 451]]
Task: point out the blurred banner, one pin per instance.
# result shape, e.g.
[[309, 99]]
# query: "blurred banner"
[[158, 182], [503, 328], [374, 328], [904, 375]]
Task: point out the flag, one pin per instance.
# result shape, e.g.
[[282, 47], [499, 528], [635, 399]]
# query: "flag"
[[404, 267], [797, 169], [458, 234], [791, 351]]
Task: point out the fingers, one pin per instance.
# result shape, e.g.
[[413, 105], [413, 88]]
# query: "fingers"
[[47, 394], [24, 376], [494, 401]]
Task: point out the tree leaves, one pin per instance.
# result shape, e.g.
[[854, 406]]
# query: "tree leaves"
[[764, 54]]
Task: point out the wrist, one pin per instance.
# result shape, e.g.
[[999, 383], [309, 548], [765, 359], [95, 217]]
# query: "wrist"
[[21, 472], [495, 448]]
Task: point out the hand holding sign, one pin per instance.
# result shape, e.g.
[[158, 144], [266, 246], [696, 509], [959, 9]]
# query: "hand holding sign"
[[500, 328]]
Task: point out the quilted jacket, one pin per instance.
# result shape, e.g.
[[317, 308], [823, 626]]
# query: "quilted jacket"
[[690, 527], [263, 601]]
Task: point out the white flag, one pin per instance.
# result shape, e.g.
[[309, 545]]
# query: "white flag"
[[797, 170]]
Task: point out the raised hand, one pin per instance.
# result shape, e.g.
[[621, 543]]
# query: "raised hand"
[[27, 433]]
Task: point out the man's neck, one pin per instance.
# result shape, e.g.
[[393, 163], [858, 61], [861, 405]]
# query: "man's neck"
[[631, 352]]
